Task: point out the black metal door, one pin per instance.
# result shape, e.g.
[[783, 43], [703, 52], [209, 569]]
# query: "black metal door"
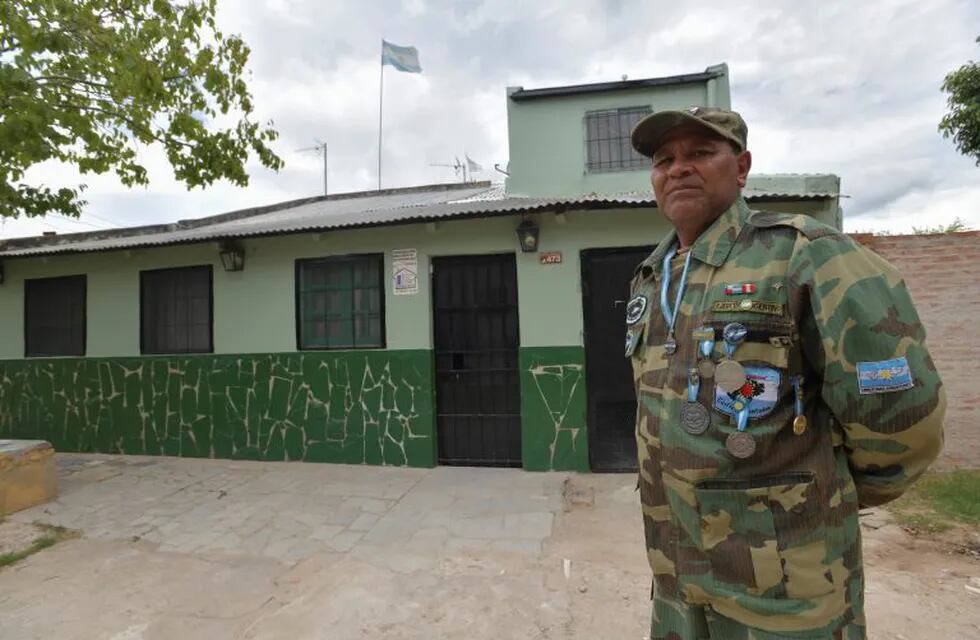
[[478, 392], [606, 275]]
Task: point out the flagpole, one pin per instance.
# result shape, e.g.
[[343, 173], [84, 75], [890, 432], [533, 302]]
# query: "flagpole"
[[381, 92]]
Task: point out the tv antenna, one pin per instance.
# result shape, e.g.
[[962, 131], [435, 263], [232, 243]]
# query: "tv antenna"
[[319, 149], [457, 166]]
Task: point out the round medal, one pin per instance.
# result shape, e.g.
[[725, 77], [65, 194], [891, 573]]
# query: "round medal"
[[695, 418], [740, 444], [729, 376], [799, 425], [670, 346], [734, 332], [706, 368]]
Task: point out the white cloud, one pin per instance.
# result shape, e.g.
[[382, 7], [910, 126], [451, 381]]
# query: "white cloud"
[[848, 88]]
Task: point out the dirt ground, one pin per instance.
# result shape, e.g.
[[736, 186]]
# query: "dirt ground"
[[588, 579]]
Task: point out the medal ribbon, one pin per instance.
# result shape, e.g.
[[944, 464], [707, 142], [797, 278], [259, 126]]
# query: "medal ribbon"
[[670, 315], [707, 348], [797, 381], [693, 384]]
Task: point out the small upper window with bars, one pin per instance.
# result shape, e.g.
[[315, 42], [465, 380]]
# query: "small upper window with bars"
[[607, 140]]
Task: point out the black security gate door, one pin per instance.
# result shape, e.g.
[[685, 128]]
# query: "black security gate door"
[[476, 347], [606, 276]]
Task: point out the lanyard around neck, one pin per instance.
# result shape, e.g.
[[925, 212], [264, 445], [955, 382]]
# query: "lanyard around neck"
[[670, 315]]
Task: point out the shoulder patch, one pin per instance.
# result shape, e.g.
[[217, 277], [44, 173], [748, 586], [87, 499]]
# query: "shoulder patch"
[[807, 225], [884, 376]]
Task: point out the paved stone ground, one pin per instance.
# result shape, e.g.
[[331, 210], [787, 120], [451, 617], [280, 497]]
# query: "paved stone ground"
[[221, 549], [213, 550], [289, 512]]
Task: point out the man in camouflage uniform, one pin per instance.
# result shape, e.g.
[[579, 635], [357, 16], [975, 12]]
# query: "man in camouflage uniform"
[[782, 382]]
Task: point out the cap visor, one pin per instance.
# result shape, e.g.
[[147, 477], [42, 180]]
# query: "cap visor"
[[648, 132]]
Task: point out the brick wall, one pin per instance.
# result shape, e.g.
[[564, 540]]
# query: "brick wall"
[[943, 274]]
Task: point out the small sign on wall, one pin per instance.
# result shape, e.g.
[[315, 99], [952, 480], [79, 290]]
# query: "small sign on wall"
[[549, 257], [405, 271]]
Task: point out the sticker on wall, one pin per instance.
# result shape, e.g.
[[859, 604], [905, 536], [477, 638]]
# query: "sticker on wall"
[[405, 271]]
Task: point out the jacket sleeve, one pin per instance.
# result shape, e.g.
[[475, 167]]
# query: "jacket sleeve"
[[863, 335]]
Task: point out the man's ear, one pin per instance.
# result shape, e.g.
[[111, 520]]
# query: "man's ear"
[[744, 165]]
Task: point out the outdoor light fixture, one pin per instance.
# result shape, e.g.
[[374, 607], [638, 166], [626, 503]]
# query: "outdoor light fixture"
[[527, 234], [232, 257]]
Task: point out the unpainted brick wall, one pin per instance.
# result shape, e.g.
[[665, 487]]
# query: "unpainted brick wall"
[[942, 272]]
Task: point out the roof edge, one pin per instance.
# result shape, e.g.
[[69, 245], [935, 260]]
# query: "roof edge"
[[534, 206], [238, 214], [519, 94]]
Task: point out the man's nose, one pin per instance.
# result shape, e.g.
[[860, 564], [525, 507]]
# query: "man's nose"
[[679, 168]]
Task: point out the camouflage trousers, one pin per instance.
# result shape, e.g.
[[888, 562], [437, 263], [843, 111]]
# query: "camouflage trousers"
[[673, 620]]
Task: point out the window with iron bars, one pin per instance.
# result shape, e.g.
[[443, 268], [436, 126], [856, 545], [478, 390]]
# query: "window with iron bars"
[[607, 140]]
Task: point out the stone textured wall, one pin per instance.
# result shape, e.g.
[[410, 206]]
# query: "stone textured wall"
[[943, 274], [554, 409], [373, 407]]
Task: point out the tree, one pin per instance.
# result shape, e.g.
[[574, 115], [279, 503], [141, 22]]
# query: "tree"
[[963, 120], [88, 82]]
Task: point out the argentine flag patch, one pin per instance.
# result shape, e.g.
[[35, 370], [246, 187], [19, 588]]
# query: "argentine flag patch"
[[884, 376]]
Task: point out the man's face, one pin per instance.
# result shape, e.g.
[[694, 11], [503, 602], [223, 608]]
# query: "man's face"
[[697, 175]]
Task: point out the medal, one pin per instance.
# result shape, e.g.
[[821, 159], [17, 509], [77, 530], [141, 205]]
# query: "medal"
[[740, 444], [695, 418], [706, 368], [670, 346], [734, 333], [799, 425], [729, 376], [799, 422], [705, 339]]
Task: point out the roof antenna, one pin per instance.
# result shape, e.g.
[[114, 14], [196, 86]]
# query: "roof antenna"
[[320, 148]]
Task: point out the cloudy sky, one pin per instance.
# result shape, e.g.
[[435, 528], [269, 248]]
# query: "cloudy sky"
[[850, 88]]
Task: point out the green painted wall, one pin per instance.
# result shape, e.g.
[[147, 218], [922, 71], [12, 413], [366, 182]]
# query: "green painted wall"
[[554, 409], [547, 136], [373, 407]]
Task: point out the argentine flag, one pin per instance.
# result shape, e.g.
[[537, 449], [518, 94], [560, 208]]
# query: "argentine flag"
[[401, 58]]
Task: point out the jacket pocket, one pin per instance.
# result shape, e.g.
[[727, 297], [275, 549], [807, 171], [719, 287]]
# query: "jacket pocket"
[[765, 536]]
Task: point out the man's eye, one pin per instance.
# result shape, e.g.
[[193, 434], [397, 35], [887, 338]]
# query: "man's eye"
[[661, 162], [703, 152]]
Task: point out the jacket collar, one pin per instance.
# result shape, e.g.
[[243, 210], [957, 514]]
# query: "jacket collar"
[[712, 247]]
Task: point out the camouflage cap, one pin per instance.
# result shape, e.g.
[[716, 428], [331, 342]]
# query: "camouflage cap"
[[728, 124]]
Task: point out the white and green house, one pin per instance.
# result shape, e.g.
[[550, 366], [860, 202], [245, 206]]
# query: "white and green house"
[[465, 323]]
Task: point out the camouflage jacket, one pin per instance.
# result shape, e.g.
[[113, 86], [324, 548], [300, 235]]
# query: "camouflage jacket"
[[772, 540]]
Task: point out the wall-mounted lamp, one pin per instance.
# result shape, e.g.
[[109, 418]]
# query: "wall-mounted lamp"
[[527, 235], [232, 257]]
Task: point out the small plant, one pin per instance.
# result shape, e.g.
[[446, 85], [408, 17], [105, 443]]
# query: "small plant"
[[955, 226]]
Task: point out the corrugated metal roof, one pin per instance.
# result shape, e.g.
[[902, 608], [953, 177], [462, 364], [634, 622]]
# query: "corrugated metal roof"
[[399, 206]]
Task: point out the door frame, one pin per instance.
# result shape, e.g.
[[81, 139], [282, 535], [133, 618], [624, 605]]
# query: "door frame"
[[433, 260], [584, 261]]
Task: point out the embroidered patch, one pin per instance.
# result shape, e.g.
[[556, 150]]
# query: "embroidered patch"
[[755, 306], [884, 376], [636, 308], [761, 388]]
